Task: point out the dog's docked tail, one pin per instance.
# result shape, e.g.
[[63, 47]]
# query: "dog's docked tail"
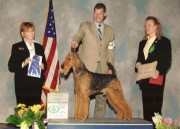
[[111, 67]]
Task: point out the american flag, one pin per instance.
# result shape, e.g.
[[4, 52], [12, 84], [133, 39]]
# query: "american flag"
[[52, 80]]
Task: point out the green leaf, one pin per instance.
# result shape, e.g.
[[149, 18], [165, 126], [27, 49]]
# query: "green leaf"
[[28, 117], [14, 119]]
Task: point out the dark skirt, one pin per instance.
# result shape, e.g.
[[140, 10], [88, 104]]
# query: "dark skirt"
[[28, 90]]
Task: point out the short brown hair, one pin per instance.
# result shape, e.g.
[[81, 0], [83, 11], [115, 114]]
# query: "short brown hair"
[[26, 25], [159, 28], [99, 6]]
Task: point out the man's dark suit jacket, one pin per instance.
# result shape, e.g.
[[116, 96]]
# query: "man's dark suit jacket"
[[24, 85], [161, 53]]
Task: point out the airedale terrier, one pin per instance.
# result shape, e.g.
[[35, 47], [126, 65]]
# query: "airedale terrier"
[[87, 83]]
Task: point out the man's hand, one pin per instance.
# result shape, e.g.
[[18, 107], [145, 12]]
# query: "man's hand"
[[110, 71], [74, 44]]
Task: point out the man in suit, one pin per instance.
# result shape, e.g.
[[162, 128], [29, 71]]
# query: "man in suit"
[[97, 41]]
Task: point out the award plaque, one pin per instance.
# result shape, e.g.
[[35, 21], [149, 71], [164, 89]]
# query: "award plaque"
[[57, 105]]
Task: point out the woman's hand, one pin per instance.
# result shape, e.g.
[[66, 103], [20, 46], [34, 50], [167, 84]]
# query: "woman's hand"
[[42, 66], [26, 61], [138, 64]]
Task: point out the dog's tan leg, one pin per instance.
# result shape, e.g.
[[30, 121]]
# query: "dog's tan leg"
[[116, 100], [124, 107], [76, 106], [123, 104], [83, 107], [114, 104]]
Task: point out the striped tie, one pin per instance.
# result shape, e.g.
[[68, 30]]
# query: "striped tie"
[[100, 33]]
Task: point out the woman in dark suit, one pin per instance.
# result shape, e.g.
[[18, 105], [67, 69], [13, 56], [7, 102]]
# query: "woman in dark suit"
[[154, 47], [28, 89]]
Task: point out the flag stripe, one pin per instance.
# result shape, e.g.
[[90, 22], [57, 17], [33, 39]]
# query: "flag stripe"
[[51, 52], [52, 59], [54, 81], [45, 42]]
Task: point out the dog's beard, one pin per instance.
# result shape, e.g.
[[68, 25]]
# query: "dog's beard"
[[64, 71]]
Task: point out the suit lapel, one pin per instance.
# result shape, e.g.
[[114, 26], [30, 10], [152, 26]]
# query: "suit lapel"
[[95, 32], [25, 48], [35, 48], [104, 32], [143, 45], [153, 45], [37, 52]]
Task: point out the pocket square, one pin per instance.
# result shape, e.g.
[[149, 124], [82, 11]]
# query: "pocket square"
[[21, 48]]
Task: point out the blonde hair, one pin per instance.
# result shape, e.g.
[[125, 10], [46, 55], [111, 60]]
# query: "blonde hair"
[[158, 24]]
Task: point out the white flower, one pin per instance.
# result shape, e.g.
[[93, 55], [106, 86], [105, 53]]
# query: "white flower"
[[24, 125], [164, 122], [157, 119], [35, 126]]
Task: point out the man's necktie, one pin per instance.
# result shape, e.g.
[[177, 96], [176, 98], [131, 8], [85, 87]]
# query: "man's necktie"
[[100, 33]]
